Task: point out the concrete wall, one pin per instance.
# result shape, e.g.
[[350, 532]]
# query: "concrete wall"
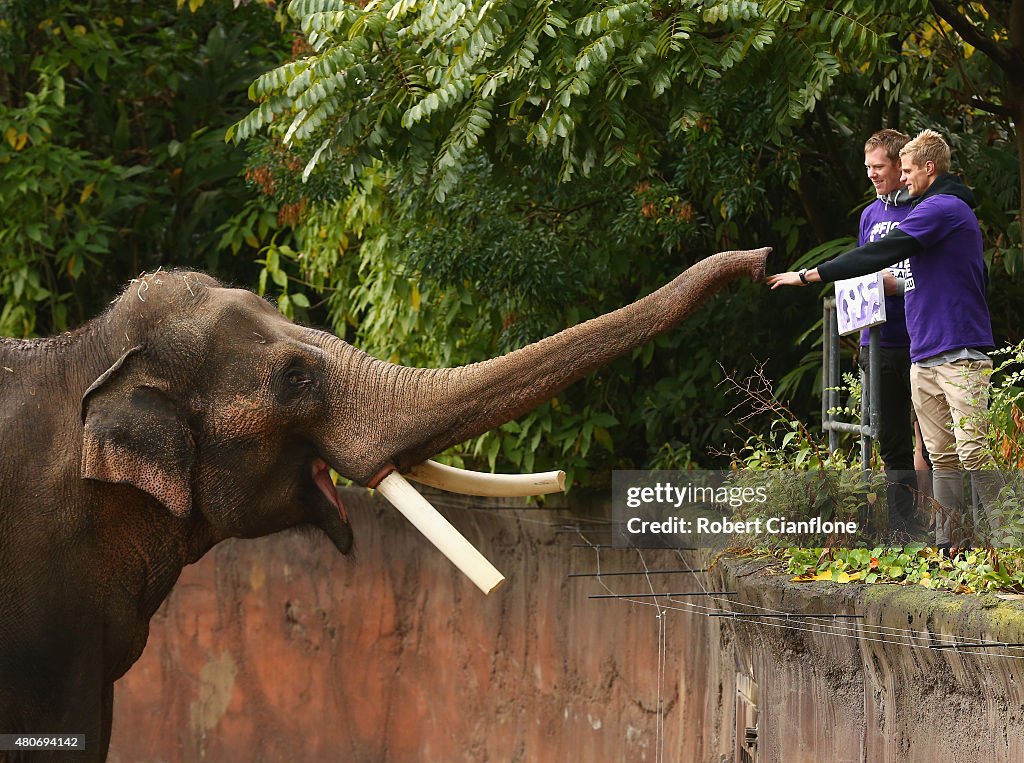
[[280, 649]]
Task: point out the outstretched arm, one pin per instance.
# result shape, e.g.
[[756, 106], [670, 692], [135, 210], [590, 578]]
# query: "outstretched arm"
[[870, 258]]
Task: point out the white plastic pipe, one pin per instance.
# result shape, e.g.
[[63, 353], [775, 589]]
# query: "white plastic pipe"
[[440, 532], [493, 485]]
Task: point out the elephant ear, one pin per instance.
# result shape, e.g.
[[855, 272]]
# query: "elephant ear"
[[134, 434]]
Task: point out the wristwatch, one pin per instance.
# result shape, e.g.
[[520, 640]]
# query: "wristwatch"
[[803, 276]]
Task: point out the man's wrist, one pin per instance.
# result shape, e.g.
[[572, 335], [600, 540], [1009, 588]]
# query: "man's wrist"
[[803, 276]]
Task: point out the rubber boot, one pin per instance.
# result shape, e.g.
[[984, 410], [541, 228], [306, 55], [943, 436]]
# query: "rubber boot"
[[948, 486]]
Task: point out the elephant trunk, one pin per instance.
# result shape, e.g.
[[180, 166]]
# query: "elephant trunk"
[[433, 409]]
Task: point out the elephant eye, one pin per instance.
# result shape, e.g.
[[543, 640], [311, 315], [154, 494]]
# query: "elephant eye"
[[297, 378]]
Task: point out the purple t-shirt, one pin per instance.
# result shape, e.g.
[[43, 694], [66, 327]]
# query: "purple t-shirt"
[[947, 309], [877, 219]]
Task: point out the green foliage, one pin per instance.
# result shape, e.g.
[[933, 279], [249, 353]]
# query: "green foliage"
[[64, 203], [793, 467], [423, 84], [915, 564], [112, 158], [1004, 422], [1005, 415]]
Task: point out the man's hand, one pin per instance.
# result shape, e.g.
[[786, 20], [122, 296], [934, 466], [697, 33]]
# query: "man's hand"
[[889, 284], [791, 278]]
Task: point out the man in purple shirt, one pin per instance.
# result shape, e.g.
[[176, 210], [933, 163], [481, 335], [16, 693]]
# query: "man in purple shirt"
[[947, 320], [884, 214]]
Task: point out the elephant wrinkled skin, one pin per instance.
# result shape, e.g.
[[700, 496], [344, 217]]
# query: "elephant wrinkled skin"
[[189, 413]]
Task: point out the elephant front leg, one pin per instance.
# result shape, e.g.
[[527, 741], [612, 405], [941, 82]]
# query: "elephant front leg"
[[45, 739], [53, 708]]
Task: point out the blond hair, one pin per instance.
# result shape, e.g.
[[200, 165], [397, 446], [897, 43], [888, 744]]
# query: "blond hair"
[[892, 141], [928, 146]]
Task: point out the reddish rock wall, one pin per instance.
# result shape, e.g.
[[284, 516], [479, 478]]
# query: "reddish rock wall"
[[282, 650]]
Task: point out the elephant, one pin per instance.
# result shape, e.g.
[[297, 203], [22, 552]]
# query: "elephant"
[[189, 412]]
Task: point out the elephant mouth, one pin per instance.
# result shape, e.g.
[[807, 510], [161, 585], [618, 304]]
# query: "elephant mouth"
[[337, 525]]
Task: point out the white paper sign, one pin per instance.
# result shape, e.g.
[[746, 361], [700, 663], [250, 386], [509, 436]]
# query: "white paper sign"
[[860, 303]]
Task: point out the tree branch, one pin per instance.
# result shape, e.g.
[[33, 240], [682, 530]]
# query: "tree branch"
[[992, 108], [971, 97], [972, 36]]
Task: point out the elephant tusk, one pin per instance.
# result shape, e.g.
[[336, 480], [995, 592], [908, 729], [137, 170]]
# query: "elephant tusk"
[[493, 485], [440, 532]]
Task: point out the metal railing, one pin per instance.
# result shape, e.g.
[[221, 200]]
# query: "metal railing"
[[831, 381]]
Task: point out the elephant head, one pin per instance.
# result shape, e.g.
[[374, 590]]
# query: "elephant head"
[[226, 413]]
